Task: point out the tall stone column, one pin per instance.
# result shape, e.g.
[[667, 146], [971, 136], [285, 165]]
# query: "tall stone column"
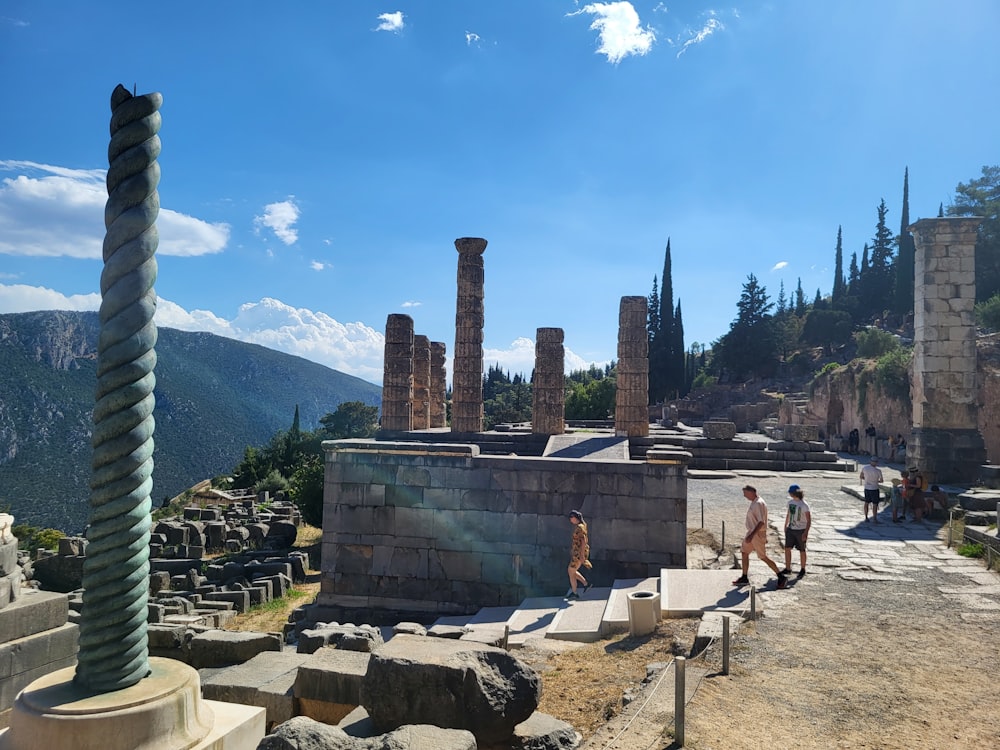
[[467, 378], [397, 377], [632, 391], [439, 385], [548, 392], [421, 382], [945, 443]]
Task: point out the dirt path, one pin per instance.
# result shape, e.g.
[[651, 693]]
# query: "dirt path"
[[890, 641]]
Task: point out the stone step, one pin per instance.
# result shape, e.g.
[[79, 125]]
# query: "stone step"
[[581, 619], [615, 618]]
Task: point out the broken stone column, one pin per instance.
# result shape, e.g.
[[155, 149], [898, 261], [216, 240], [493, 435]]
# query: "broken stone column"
[[467, 378], [397, 377], [439, 385], [945, 443], [548, 397], [421, 382], [632, 390]]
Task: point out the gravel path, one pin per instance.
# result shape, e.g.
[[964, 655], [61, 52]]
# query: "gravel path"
[[890, 640]]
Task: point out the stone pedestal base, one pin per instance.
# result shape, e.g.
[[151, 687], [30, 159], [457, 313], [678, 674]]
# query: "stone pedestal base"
[[943, 456], [164, 711]]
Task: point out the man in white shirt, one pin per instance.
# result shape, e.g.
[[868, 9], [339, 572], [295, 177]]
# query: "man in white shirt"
[[756, 539], [798, 521], [871, 477]]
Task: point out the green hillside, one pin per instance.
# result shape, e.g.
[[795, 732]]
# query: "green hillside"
[[214, 396]]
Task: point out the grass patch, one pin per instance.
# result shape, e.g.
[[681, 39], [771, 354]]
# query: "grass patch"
[[971, 549]]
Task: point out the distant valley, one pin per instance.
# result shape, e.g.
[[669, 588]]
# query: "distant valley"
[[214, 397]]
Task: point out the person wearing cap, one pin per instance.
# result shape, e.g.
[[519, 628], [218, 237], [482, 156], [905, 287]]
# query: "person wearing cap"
[[871, 477], [756, 539], [579, 554], [798, 521]]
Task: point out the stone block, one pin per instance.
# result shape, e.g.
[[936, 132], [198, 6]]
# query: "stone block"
[[719, 430], [332, 675], [239, 599], [33, 612], [37, 650], [266, 680], [223, 648]]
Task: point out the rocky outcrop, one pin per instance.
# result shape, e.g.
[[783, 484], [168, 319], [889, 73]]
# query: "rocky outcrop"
[[414, 679]]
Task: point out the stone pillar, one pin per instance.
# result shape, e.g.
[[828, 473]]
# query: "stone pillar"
[[421, 382], [632, 391], [439, 385], [945, 443], [548, 392], [467, 378], [397, 378]]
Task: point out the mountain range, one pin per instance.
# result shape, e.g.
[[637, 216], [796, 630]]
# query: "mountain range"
[[214, 397]]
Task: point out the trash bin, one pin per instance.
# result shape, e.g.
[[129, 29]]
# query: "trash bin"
[[643, 612]]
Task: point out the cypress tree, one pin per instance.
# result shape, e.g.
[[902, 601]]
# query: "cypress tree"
[[655, 334], [853, 276], [906, 259], [782, 303], [800, 299], [838, 270], [677, 353]]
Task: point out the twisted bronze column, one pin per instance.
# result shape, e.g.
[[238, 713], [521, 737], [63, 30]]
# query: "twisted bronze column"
[[114, 651]]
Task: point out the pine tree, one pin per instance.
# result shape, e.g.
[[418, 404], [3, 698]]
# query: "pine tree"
[[838, 270], [906, 259], [782, 303], [800, 299]]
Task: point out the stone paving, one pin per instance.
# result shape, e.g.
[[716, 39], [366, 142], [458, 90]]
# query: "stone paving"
[[842, 543]]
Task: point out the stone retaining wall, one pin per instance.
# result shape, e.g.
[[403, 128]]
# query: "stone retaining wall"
[[439, 529]]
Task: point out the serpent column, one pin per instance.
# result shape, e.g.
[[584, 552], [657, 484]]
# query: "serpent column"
[[113, 639]]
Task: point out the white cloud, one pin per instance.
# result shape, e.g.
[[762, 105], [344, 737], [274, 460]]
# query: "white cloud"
[[411, 303], [619, 30], [53, 211], [697, 37], [280, 218], [471, 38], [16, 298], [779, 265], [391, 22], [319, 266], [519, 357]]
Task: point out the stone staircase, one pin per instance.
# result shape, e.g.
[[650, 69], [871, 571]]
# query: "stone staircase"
[[601, 612]]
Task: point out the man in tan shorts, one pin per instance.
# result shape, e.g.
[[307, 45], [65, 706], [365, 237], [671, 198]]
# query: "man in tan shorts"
[[756, 538]]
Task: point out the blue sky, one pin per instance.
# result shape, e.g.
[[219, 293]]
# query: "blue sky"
[[320, 159]]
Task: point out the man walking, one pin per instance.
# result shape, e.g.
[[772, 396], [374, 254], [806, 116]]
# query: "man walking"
[[756, 539], [871, 477], [798, 521]]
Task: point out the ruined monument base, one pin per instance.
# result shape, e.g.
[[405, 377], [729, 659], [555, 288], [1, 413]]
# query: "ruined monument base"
[[164, 711], [947, 455]]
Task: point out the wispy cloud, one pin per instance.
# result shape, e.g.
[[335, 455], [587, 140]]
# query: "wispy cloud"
[[471, 38], [411, 303], [712, 25], [53, 211], [317, 265], [280, 218], [17, 22], [779, 265], [619, 30], [391, 22]]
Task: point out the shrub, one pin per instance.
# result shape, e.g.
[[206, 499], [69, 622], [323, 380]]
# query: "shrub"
[[892, 373], [988, 313], [873, 343], [971, 549], [273, 482]]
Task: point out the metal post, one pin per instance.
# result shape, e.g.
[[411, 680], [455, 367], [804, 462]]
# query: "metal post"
[[951, 520], [703, 513], [679, 663], [723, 535], [753, 602], [725, 644]]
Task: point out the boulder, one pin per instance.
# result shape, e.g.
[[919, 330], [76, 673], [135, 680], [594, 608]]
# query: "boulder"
[[451, 684], [223, 648], [302, 733]]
